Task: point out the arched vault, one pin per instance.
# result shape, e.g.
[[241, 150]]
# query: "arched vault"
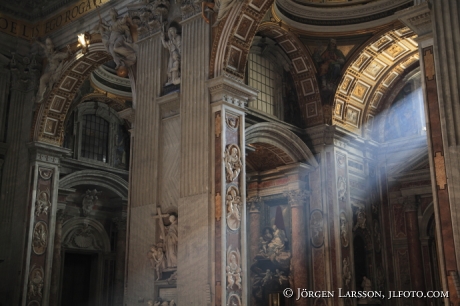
[[277, 141], [370, 76]]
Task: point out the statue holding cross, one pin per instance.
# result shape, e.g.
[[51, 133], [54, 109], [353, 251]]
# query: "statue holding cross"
[[169, 235]]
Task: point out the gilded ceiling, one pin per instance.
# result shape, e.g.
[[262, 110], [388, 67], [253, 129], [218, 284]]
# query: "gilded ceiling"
[[370, 75], [32, 10]]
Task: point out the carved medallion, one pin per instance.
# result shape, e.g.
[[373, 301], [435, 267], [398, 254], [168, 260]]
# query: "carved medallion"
[[234, 300], [234, 207], [40, 238], [344, 230], [316, 228], [233, 268], [232, 121], [45, 173], [232, 160], [35, 286], [42, 204]]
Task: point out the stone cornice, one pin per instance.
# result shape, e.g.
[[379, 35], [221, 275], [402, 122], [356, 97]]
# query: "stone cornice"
[[418, 19], [225, 89]]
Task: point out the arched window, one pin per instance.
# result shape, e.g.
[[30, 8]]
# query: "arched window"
[[95, 138], [96, 134]]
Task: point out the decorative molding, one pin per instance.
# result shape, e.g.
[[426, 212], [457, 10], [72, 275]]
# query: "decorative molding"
[[296, 198], [418, 19], [225, 89]]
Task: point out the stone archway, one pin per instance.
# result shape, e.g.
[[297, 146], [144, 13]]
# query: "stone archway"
[[233, 38], [48, 124]]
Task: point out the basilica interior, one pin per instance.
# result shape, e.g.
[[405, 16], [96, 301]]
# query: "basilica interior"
[[229, 153]]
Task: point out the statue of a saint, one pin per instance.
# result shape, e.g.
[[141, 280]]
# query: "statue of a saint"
[[173, 44], [52, 71], [169, 235], [119, 39]]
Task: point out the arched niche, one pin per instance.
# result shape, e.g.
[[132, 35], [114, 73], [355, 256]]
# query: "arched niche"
[[49, 120]]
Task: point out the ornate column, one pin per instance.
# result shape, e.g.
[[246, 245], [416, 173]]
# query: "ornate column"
[[231, 273], [56, 271], [415, 248], [254, 203], [120, 260], [297, 199], [44, 169], [436, 25]]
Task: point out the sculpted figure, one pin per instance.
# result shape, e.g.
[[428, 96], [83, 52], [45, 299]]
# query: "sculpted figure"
[[233, 163], [233, 209], [171, 241], [88, 201], [173, 44], [52, 71], [360, 219], [119, 39], [42, 204], [330, 63], [157, 260], [233, 269]]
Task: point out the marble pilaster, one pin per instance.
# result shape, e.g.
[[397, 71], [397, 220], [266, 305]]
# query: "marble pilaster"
[[414, 247]]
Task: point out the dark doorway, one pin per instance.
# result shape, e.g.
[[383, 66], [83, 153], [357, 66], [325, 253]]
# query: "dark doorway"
[[359, 248], [79, 279]]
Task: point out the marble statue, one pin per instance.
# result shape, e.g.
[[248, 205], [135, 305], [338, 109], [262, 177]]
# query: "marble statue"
[[118, 39], [169, 235], [52, 71], [156, 257], [232, 160], [173, 44]]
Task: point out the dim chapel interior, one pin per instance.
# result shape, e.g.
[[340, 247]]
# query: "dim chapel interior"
[[191, 153]]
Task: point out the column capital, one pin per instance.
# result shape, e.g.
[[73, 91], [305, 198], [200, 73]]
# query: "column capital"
[[418, 19], [46, 153], [296, 198], [226, 89]]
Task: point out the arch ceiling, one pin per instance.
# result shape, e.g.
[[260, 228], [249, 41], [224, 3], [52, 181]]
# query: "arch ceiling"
[[49, 119], [279, 145], [370, 76]]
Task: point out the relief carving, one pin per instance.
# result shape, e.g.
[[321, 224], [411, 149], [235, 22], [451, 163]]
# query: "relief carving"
[[234, 207], [233, 268], [221, 7], [150, 17], [341, 187], [83, 237], [88, 201], [343, 230], [35, 287], [232, 160], [40, 238], [346, 272], [42, 204], [316, 228], [360, 218], [232, 122]]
